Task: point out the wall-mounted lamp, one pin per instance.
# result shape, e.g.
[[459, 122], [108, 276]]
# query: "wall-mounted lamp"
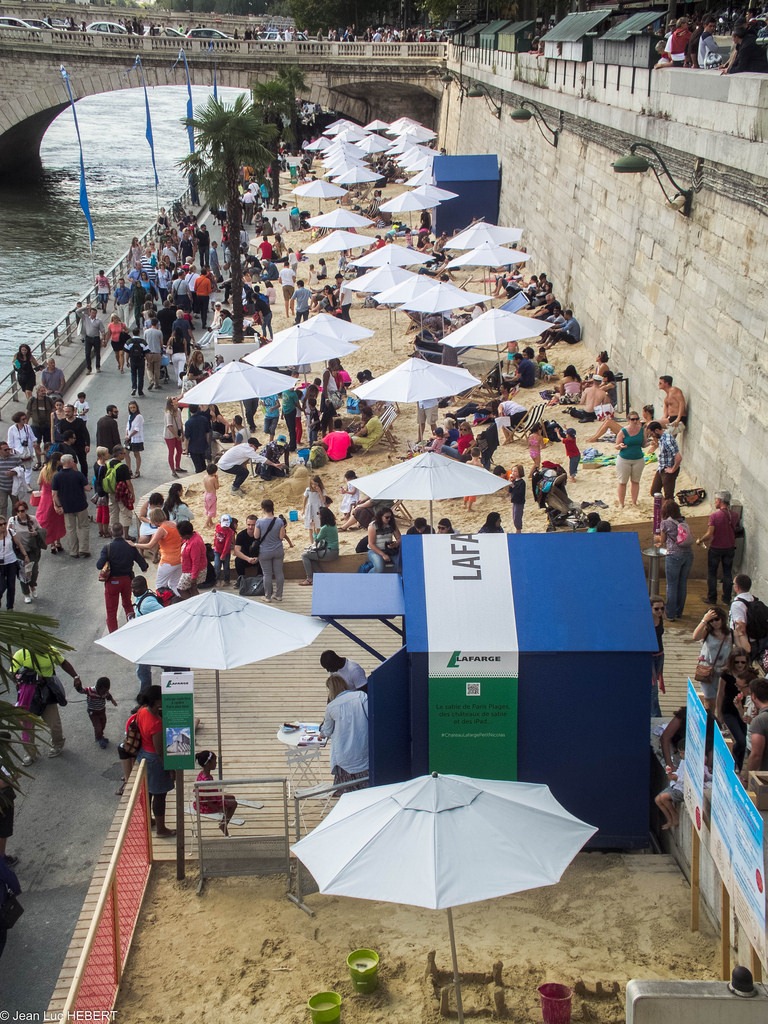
[[634, 164], [451, 78], [523, 113], [478, 89]]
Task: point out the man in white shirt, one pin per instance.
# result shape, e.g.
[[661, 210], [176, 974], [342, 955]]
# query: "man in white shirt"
[[352, 673], [234, 461], [287, 277], [153, 337], [344, 295], [190, 281]]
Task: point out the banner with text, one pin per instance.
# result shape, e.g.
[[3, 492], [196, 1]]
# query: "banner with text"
[[178, 719], [724, 778], [695, 739], [473, 656]]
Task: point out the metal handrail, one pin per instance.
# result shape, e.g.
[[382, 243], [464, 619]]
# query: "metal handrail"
[[65, 330]]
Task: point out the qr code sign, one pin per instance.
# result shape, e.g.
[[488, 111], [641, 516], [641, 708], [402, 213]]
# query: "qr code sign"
[[473, 689]]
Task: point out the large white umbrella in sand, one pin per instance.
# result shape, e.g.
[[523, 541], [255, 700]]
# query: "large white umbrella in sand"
[[424, 177], [416, 284], [340, 219], [372, 144], [432, 192], [477, 234], [489, 255], [300, 346], [342, 125], [417, 380], [392, 255], [380, 279], [357, 176], [411, 842], [338, 241], [419, 132], [319, 189], [430, 477], [495, 327], [441, 297], [324, 323], [377, 125], [321, 143], [406, 202], [236, 382], [214, 631]]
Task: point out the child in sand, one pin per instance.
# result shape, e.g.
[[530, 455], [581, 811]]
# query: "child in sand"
[[350, 498], [534, 446], [214, 802], [470, 499], [573, 453], [314, 500], [211, 484]]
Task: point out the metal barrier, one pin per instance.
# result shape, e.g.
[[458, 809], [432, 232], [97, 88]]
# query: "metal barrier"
[[67, 329], [100, 967], [258, 838], [302, 883]]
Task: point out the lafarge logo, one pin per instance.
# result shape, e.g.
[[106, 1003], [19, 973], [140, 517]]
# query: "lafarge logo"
[[457, 659]]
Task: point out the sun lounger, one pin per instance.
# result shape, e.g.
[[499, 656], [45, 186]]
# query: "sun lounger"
[[532, 419]]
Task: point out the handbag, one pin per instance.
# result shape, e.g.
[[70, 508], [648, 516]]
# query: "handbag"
[[251, 586], [104, 573], [704, 670], [132, 740], [319, 548], [257, 541], [10, 911]]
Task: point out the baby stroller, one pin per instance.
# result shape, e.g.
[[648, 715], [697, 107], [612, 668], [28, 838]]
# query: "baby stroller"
[[551, 494]]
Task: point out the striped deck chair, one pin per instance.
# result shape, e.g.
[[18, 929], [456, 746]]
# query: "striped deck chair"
[[532, 419]]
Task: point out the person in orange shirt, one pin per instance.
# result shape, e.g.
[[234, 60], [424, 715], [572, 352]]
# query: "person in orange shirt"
[[204, 287]]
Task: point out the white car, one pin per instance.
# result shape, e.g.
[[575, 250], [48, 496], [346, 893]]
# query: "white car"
[[207, 33], [166, 30], [109, 27], [8, 22]]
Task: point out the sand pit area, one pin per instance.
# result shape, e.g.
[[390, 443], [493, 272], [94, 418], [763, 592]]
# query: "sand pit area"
[[242, 952]]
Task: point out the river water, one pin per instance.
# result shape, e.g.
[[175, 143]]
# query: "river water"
[[46, 253]]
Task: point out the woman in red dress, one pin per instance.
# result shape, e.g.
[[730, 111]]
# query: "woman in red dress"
[[47, 516]]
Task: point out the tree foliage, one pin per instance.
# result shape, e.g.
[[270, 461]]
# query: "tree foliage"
[[277, 101], [228, 138], [33, 633]]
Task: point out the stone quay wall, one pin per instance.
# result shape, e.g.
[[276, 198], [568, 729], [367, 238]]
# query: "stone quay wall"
[[664, 294]]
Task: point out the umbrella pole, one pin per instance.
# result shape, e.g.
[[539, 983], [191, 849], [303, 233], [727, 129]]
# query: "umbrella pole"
[[218, 723], [431, 524], [456, 981], [391, 338]]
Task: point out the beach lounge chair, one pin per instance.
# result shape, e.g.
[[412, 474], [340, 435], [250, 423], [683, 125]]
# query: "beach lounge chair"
[[532, 419], [388, 417], [401, 512]]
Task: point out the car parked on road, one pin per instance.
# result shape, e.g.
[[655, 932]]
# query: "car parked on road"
[[110, 28], [207, 33], [8, 22]]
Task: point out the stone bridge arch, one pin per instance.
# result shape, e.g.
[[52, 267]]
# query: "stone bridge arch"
[[35, 94]]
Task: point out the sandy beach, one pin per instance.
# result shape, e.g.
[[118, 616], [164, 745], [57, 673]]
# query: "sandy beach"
[[243, 952]]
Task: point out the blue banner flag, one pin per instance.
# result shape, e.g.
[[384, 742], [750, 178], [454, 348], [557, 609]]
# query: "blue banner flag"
[[190, 130], [84, 204], [150, 138], [212, 52]]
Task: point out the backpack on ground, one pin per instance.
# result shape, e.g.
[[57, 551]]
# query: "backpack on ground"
[[318, 456], [109, 483], [757, 618]]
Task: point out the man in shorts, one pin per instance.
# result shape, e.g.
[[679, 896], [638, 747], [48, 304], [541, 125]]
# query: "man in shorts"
[[194, 561], [287, 277], [428, 409]]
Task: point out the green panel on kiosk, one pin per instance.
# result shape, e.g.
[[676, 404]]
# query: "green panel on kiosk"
[[473, 726], [178, 720]]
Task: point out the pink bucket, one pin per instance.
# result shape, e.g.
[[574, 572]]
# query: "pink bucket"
[[555, 1003]]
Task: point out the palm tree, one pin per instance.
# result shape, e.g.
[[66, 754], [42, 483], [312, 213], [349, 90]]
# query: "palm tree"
[[33, 633], [277, 100], [227, 138]]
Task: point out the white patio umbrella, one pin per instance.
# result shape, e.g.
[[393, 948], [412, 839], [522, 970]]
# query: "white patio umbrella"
[[417, 380], [489, 255], [417, 284], [481, 232], [414, 148], [342, 165], [411, 842], [320, 143], [235, 382], [299, 346], [377, 125], [418, 131], [430, 477], [400, 124], [357, 176], [319, 189], [214, 631], [393, 255], [340, 219], [372, 144], [324, 323], [406, 202], [337, 241], [380, 279], [441, 297], [341, 125], [434, 193], [424, 177], [495, 327]]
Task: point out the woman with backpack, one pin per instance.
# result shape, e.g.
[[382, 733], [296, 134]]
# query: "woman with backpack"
[[675, 535]]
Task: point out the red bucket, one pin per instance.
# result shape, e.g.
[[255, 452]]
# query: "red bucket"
[[34, 499], [555, 1003]]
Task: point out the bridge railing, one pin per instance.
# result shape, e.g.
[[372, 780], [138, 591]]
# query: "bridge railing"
[[67, 329], [93, 42]]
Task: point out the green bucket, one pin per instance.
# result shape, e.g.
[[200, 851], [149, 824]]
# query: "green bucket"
[[325, 1007], [363, 967]]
